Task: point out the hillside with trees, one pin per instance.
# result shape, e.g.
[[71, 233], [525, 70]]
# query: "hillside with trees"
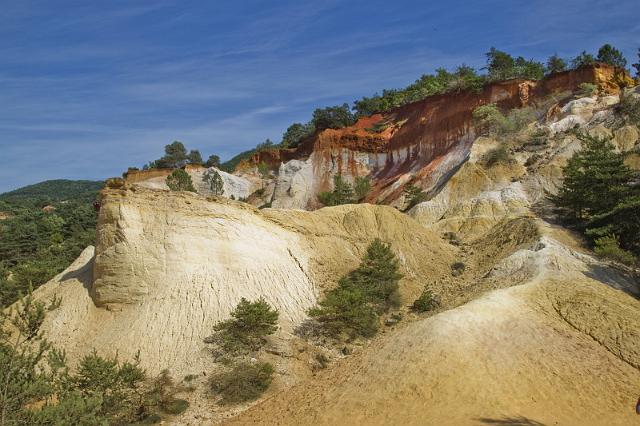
[[46, 226]]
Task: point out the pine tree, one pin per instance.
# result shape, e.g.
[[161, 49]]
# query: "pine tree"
[[216, 184], [377, 276], [247, 328], [342, 193], [180, 180], [556, 64], [612, 56], [372, 288], [596, 179]]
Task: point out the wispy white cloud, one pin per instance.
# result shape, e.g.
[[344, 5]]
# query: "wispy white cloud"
[[90, 89]]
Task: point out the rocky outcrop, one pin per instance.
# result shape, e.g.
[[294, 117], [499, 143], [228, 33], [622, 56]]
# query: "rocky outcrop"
[[170, 265], [236, 187], [423, 142]]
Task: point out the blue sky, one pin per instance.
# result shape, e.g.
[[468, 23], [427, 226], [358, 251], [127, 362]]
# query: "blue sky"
[[88, 88]]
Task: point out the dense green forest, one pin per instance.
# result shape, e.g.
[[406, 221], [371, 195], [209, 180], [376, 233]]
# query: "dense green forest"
[[36, 243]]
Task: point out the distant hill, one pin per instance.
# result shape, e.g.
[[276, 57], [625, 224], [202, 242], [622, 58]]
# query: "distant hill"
[[37, 243], [55, 190]]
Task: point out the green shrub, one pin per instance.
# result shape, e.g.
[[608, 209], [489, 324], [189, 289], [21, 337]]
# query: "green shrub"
[[246, 330], [362, 187], [179, 180], [496, 156], [342, 193], [488, 120], [334, 117], [587, 89], [162, 395], [352, 308], [608, 247], [244, 382], [414, 195], [425, 302], [346, 310]]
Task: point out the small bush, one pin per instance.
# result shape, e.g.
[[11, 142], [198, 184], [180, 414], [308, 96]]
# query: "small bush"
[[608, 247], [362, 187], [457, 269], [342, 193], [496, 156], [587, 89], [488, 120], [517, 119], [425, 302], [162, 395], [247, 328], [244, 382], [414, 195], [180, 180]]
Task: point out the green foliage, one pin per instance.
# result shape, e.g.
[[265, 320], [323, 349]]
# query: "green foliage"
[[52, 191], [194, 157], [623, 220], [502, 66], [248, 327], [637, 65], [488, 120], [362, 187], [353, 307], [595, 179], [334, 117], [296, 133], [175, 156], [609, 248], [244, 382], [499, 155], [101, 392], [342, 193], [598, 193], [117, 385], [162, 395], [215, 182], [587, 89], [346, 310], [463, 78], [556, 64], [414, 195], [425, 302], [36, 245], [583, 59], [179, 180], [263, 169], [612, 56], [213, 161]]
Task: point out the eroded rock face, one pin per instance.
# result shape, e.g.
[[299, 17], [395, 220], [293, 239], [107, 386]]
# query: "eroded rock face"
[[422, 143], [149, 242], [169, 265]]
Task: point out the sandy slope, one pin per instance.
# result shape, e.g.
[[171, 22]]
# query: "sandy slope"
[[509, 355]]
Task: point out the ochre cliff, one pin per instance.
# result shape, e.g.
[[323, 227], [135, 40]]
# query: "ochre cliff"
[[423, 143]]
